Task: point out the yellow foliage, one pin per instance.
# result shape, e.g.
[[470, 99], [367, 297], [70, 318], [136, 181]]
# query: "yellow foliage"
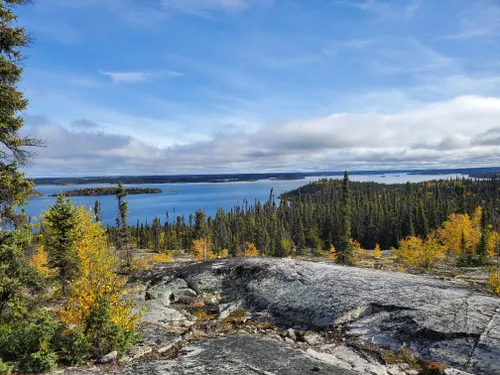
[[415, 252], [494, 243], [202, 250], [476, 218], [359, 253], [224, 253], [377, 253], [494, 281], [142, 263], [39, 261], [332, 254], [251, 250], [451, 233], [98, 286], [163, 257]]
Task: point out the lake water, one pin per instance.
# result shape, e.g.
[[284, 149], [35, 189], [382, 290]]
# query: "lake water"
[[191, 196]]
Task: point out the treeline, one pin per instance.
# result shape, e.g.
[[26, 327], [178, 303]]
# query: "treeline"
[[313, 217], [97, 191]]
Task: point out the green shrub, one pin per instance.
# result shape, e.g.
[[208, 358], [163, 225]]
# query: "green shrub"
[[74, 346], [28, 343], [5, 368], [41, 361], [22, 338]]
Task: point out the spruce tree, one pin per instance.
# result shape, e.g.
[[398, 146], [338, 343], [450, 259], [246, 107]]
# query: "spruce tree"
[[97, 210], [60, 238], [14, 148], [122, 240], [346, 250], [482, 249]]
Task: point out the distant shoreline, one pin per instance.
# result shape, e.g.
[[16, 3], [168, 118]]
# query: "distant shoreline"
[[247, 177], [101, 191]]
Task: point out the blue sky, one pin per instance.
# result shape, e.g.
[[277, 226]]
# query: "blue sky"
[[200, 86]]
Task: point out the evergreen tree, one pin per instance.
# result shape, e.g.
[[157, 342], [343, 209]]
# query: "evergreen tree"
[[14, 188], [60, 236], [122, 240], [482, 249], [346, 250], [15, 272], [97, 210]]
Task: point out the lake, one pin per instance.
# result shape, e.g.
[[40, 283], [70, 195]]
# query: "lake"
[[185, 199]]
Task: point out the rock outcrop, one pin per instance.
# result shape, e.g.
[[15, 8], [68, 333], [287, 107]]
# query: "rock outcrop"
[[437, 320], [327, 319]]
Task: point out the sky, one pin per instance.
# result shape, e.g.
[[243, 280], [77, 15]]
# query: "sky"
[[121, 87]]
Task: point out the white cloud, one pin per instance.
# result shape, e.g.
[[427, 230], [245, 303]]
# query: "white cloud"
[[409, 55], [479, 20], [460, 132], [336, 46], [138, 77], [127, 77], [385, 9], [204, 7]]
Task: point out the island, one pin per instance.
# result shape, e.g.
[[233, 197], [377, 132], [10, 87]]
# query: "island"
[[97, 191], [35, 194]]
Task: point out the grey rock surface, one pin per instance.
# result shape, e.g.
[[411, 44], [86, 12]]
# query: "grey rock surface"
[[244, 355], [439, 321], [110, 357]]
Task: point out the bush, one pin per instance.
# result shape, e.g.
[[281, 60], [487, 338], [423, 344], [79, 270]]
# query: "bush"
[[74, 346], [29, 343], [494, 281], [5, 368], [22, 338], [42, 361]]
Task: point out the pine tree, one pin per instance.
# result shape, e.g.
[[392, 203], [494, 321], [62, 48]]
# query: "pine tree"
[[482, 249], [14, 188], [346, 252], [97, 211], [15, 272], [60, 236], [122, 241]]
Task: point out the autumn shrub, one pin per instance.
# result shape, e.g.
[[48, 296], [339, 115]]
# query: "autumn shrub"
[[251, 250], [202, 249], [416, 252], [96, 302], [377, 253], [494, 281], [224, 254], [332, 254], [39, 261], [163, 257]]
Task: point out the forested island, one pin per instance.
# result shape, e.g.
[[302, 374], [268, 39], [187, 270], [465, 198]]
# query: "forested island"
[[99, 191]]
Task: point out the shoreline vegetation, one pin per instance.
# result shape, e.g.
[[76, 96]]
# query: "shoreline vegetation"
[[249, 177], [100, 191]]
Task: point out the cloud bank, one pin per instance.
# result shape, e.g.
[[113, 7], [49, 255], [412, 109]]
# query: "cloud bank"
[[461, 132]]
